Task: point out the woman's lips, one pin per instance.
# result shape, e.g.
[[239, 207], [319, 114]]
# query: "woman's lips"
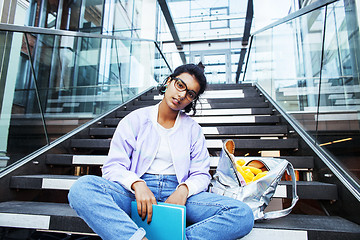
[[176, 101]]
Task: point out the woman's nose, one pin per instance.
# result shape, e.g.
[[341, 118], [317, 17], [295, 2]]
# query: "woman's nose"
[[182, 94]]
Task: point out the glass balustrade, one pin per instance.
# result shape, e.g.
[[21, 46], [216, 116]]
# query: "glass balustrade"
[[54, 83], [310, 66]]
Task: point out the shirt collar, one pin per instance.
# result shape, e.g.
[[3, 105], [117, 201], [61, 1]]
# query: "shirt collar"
[[155, 112]]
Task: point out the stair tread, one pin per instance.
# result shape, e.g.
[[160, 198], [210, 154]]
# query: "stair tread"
[[72, 177], [42, 216], [71, 222], [219, 120], [218, 105], [306, 190], [231, 131], [311, 222], [219, 112], [152, 100], [229, 86], [70, 159], [290, 143]]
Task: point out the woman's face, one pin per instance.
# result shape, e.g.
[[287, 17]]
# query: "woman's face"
[[180, 91]]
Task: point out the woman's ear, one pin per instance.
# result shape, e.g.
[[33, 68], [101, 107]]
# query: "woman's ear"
[[168, 81]]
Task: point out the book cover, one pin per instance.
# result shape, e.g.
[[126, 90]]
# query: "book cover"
[[168, 221]]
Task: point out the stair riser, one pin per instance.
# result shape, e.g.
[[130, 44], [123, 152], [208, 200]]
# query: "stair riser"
[[151, 100], [73, 224], [219, 106], [231, 131], [219, 112], [260, 144], [217, 120], [98, 160], [321, 191]]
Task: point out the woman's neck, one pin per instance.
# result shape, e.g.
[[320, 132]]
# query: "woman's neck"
[[166, 116]]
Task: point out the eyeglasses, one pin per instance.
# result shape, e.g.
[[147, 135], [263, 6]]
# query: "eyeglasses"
[[180, 85]]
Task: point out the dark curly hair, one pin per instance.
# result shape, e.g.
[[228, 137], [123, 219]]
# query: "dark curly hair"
[[196, 71]]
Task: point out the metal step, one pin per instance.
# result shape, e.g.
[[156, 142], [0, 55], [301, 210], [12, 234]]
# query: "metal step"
[[42, 216], [234, 120], [233, 100], [305, 227], [75, 160], [54, 182], [229, 131], [59, 217], [226, 105], [305, 190], [234, 112], [260, 144], [151, 100], [224, 131], [229, 86], [216, 120], [219, 112], [208, 95], [202, 101], [302, 162]]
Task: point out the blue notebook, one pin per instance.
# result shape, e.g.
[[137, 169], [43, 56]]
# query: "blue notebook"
[[168, 221]]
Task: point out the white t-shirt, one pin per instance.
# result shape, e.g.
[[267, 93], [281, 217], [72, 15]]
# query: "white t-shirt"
[[163, 163]]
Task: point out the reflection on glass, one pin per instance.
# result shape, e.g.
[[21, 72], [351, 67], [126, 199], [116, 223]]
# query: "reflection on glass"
[[285, 60], [320, 90], [74, 80], [338, 118]]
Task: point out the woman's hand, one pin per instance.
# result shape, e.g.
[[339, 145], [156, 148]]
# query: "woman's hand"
[[179, 197], [144, 199]]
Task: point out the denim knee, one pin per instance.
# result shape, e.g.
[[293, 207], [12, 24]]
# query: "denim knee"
[[77, 192], [248, 218]]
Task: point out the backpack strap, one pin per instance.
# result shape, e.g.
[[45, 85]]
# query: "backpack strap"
[[295, 198]]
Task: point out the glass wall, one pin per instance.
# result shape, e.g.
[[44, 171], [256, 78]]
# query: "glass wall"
[[57, 82], [210, 32], [310, 67], [60, 82], [115, 17]]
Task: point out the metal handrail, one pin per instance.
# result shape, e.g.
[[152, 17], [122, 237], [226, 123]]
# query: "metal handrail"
[[312, 7], [56, 32]]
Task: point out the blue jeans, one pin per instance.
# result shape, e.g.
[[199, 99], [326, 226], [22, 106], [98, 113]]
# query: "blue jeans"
[[105, 207]]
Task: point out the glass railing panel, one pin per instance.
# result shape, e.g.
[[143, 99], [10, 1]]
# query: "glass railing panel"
[[285, 61], [309, 66], [16, 137], [63, 81], [338, 118]]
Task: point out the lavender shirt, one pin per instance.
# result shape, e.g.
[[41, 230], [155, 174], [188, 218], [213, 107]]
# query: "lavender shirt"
[[136, 142]]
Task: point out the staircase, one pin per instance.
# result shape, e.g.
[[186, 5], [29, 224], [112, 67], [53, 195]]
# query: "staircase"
[[34, 196]]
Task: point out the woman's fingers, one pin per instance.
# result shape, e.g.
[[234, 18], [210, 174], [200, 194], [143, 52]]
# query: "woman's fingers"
[[144, 198], [144, 207], [149, 212]]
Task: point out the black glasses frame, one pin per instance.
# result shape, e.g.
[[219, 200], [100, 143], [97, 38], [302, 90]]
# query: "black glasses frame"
[[188, 96]]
